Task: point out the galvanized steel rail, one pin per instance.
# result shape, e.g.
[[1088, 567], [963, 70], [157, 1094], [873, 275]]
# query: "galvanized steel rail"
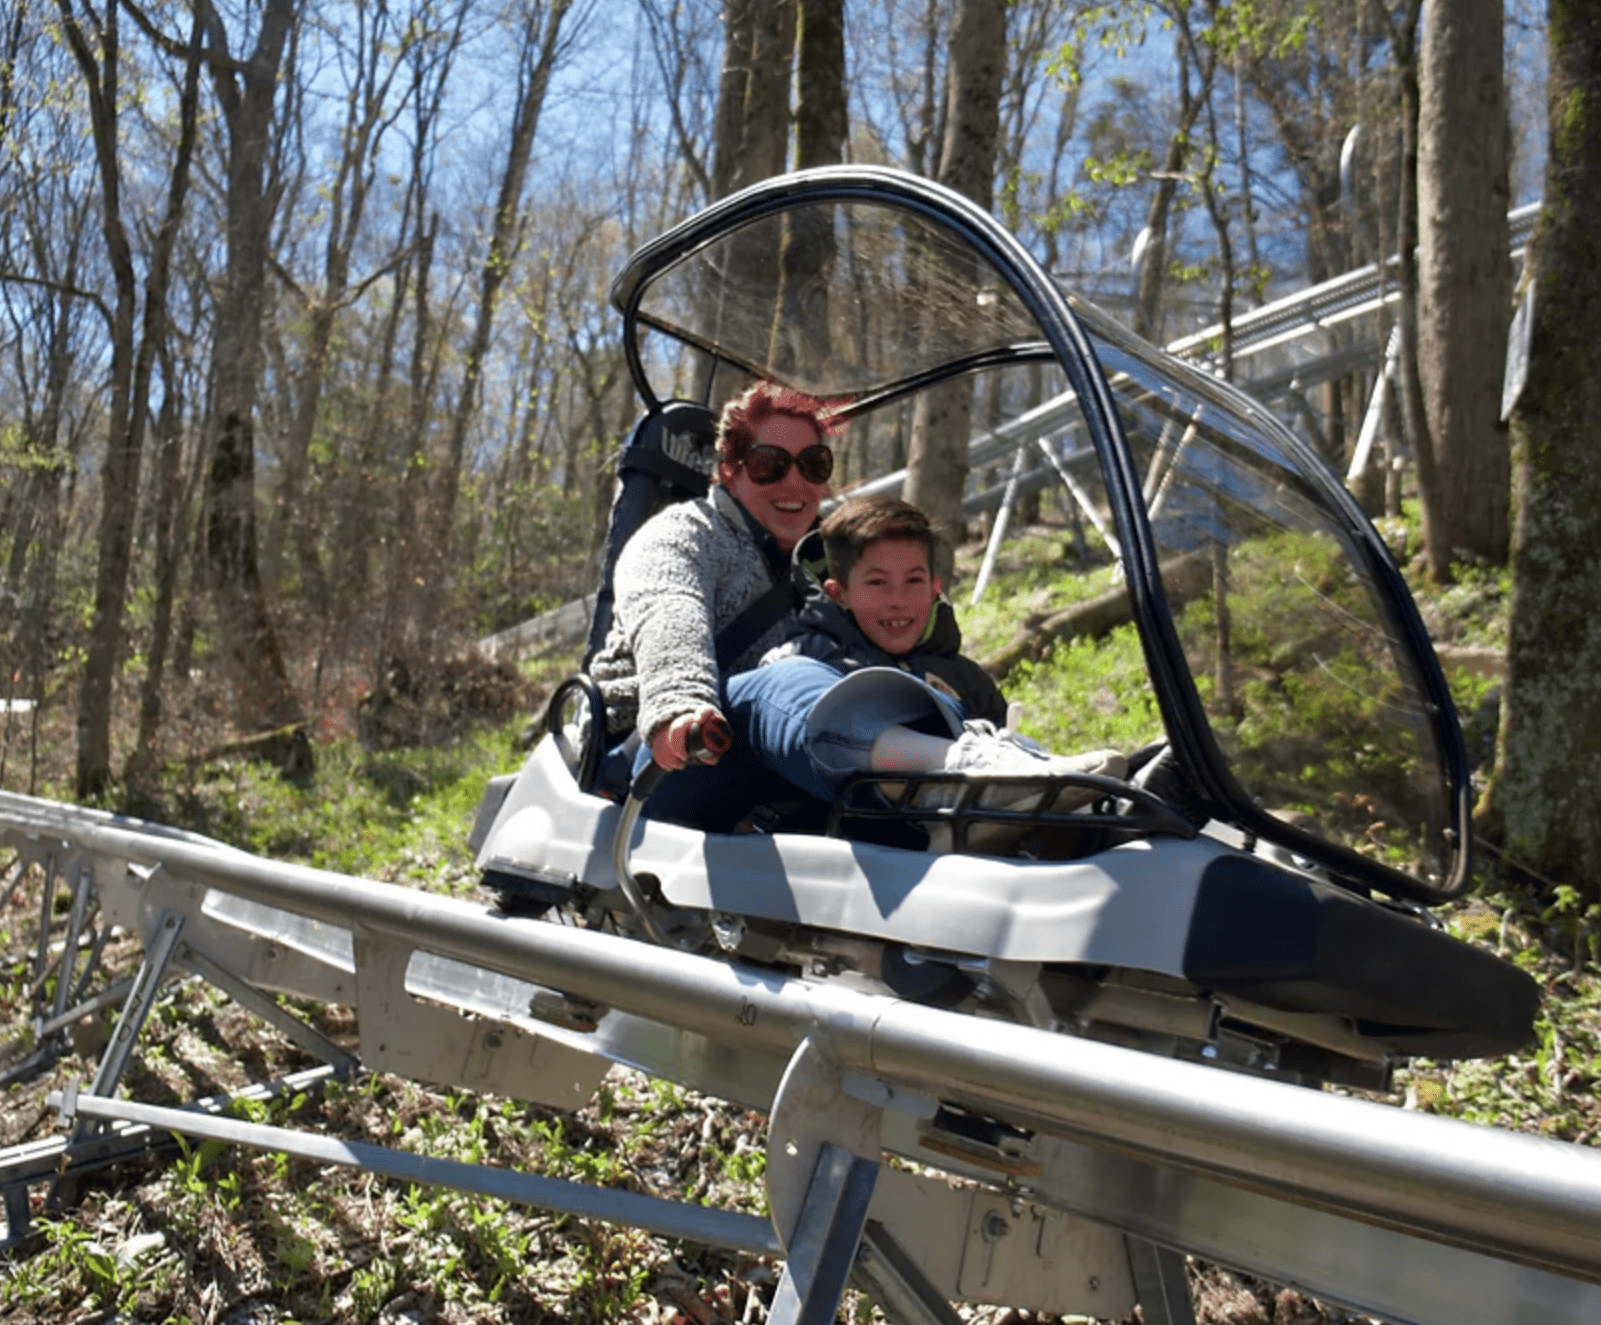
[[1511, 1196]]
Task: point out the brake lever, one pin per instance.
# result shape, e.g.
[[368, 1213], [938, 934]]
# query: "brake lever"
[[706, 742]]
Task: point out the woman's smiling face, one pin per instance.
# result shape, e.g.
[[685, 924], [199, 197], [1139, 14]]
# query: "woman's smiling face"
[[787, 508], [890, 591]]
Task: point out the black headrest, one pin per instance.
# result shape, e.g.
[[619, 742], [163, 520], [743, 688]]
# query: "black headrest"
[[677, 443]]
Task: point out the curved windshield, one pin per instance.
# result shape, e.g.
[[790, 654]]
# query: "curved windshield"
[[1308, 677], [1306, 659], [839, 299]]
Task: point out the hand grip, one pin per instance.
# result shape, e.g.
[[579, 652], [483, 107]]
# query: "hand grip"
[[705, 742], [708, 740]]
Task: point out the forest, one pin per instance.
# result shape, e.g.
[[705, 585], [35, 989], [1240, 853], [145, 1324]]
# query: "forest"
[[312, 388], [310, 379]]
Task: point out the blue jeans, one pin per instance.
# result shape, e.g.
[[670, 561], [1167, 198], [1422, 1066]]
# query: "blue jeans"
[[799, 725]]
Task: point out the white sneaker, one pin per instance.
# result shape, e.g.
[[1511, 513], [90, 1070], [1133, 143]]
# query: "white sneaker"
[[981, 751]]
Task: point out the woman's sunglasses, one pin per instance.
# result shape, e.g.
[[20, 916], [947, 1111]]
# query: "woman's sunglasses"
[[768, 464]]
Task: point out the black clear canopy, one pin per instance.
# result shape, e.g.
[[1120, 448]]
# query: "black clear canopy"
[[1286, 658]]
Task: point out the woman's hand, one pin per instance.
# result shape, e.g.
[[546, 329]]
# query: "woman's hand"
[[669, 745]]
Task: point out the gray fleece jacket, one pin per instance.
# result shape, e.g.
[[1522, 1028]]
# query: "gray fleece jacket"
[[686, 573]]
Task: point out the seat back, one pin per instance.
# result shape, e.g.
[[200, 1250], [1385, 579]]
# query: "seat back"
[[670, 456]]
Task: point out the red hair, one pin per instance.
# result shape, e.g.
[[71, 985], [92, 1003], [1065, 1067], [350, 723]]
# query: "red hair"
[[743, 416]]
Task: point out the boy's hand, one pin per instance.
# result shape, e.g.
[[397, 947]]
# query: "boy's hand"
[[669, 747]]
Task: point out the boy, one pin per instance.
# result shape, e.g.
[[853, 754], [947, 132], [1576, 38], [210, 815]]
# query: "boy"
[[880, 607]]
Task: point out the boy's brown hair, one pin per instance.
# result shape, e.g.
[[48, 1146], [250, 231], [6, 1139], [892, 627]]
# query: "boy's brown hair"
[[855, 524]]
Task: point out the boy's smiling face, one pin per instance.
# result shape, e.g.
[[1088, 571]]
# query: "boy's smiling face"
[[890, 591]]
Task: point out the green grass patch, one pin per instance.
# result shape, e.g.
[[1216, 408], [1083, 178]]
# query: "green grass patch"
[[397, 814], [1088, 694], [1549, 1086], [1036, 575]]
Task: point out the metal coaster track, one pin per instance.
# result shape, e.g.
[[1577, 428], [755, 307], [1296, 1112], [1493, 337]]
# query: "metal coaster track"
[[1089, 1168]]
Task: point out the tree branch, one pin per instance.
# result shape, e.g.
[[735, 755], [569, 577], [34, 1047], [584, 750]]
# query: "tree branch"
[[282, 273], [177, 49], [351, 295], [17, 278], [224, 68], [362, 286]]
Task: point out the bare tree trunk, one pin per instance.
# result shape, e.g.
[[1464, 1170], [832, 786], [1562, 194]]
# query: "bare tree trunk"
[[936, 470], [1029, 506], [1403, 37], [542, 38], [801, 334], [194, 558], [403, 556], [1247, 188], [1547, 789], [1371, 485], [1203, 56], [751, 139], [37, 533], [752, 135], [352, 538], [923, 116], [1153, 260], [170, 502], [25, 517], [263, 698], [1464, 280], [131, 374], [406, 556], [820, 123], [367, 114], [973, 100], [764, 123], [122, 456], [739, 43], [170, 526]]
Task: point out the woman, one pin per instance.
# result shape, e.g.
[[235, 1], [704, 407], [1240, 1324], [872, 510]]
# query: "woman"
[[713, 575]]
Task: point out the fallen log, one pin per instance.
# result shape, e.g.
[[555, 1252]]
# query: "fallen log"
[[1182, 577], [288, 748], [1477, 659]]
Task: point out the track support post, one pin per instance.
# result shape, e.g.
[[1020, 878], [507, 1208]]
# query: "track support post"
[[1161, 1283], [131, 1020], [892, 1279], [823, 1247]]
